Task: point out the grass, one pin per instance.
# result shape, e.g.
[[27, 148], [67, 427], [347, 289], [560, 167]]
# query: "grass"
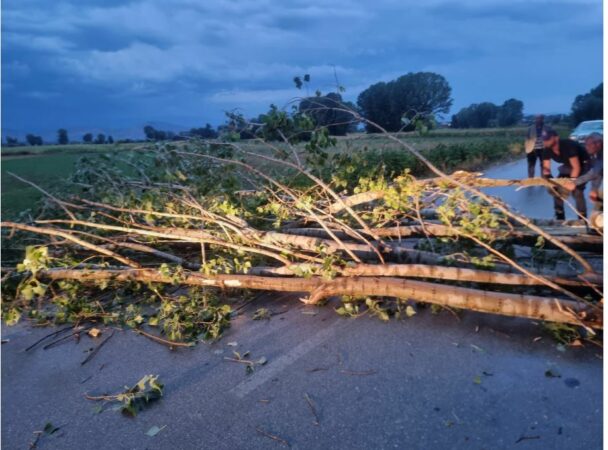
[[49, 171]]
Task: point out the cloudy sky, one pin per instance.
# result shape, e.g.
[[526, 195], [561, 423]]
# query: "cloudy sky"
[[117, 64]]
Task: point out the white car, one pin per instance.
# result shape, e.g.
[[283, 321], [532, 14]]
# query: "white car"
[[584, 129]]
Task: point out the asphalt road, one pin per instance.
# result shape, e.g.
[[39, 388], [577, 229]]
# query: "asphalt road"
[[533, 201], [428, 382]]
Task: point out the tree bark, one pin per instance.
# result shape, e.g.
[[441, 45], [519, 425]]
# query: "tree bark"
[[533, 307]]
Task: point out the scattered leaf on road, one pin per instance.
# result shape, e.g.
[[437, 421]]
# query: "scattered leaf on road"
[[261, 314], [94, 332], [153, 431]]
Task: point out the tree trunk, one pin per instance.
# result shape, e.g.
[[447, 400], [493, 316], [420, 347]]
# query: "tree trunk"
[[533, 307]]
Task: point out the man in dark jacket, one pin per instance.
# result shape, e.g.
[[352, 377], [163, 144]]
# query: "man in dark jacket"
[[573, 159]]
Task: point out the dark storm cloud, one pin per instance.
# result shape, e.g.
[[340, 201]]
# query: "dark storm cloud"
[[185, 61], [532, 12]]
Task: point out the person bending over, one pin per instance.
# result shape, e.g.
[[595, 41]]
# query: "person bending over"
[[574, 160]]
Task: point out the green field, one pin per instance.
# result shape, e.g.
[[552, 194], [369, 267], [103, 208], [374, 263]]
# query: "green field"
[[62, 149], [49, 166], [48, 171]]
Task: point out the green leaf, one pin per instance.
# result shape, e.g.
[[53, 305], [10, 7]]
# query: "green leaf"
[[261, 314], [12, 316], [342, 311]]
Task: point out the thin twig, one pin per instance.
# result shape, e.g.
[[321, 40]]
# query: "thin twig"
[[161, 340], [312, 408], [361, 373], [52, 344], [272, 436], [48, 336], [94, 352]]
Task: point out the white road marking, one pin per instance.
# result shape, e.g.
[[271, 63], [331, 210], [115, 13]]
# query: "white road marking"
[[281, 363]]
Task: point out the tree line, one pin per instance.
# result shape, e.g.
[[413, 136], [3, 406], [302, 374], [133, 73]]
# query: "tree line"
[[62, 139], [410, 102]]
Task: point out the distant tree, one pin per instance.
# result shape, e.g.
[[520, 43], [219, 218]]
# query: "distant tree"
[[33, 140], [510, 113], [150, 132], [589, 106], [110, 140], [477, 115], [100, 139], [153, 134], [328, 111], [399, 102], [87, 138], [207, 132], [62, 136], [11, 141]]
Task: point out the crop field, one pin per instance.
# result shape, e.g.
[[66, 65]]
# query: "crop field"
[[62, 149]]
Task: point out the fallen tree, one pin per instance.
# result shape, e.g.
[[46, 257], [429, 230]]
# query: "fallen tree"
[[221, 216]]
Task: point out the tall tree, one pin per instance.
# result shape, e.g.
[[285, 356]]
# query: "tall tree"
[[100, 139], [329, 111], [510, 113], [398, 102], [477, 115], [150, 132], [62, 136], [87, 138], [589, 106], [110, 140]]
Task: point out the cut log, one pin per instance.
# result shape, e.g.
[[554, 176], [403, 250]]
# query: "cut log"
[[533, 307], [574, 237], [433, 272]]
